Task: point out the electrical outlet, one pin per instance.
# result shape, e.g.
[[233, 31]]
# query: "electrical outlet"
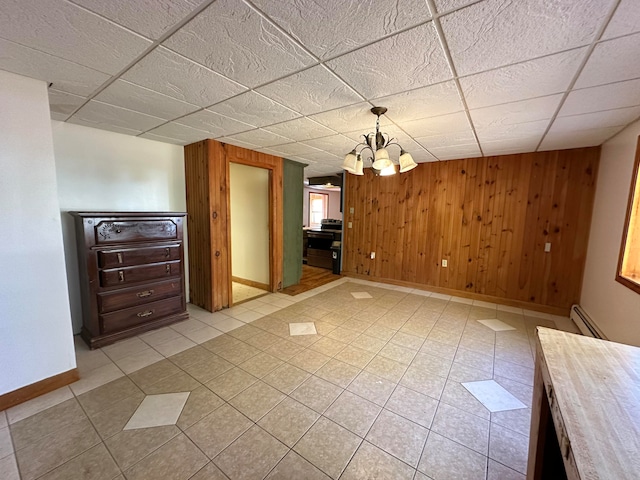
[[547, 247], [444, 262], [349, 225], [373, 255], [350, 209]]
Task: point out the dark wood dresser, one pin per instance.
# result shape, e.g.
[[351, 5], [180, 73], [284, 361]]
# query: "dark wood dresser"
[[131, 273]]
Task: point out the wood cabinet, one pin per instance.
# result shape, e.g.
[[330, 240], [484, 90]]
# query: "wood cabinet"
[[131, 273]]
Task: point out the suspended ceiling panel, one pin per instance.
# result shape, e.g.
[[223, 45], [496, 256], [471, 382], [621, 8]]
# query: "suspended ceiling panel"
[[297, 78]]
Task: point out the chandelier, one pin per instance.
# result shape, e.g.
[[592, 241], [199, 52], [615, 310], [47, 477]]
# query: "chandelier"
[[375, 145]]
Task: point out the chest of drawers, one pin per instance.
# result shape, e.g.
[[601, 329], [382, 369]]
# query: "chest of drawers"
[[131, 273]]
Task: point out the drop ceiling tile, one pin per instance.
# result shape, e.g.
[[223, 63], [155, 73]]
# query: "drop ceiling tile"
[[179, 132], [64, 103], [516, 112], [295, 149], [234, 40], [322, 159], [59, 117], [353, 117], [603, 97], [329, 30], [148, 18], [163, 139], [626, 19], [176, 76], [319, 170], [477, 35], [514, 131], [423, 102], [453, 122], [534, 78], [254, 109], [101, 115], [66, 76], [448, 5], [452, 139], [607, 118], [70, 32], [103, 126], [128, 95], [335, 144], [511, 145], [237, 143], [261, 138], [422, 156], [612, 61], [456, 152], [555, 140], [215, 124], [300, 129], [408, 60], [311, 91]]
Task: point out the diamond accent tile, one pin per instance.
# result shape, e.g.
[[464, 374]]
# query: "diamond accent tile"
[[493, 396], [496, 325], [158, 410], [361, 295], [303, 328]]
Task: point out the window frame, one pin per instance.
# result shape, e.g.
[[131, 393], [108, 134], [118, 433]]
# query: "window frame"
[[634, 198], [325, 208]]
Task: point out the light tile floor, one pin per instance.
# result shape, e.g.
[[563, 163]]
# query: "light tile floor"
[[241, 292], [376, 393]]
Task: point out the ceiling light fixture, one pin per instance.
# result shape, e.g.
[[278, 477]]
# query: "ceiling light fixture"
[[377, 144]]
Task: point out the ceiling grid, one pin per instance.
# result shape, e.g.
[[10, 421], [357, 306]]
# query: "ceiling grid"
[[297, 78]]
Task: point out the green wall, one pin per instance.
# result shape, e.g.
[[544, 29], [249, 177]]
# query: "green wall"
[[292, 182]]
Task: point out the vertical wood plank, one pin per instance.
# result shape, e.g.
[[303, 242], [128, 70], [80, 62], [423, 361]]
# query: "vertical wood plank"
[[490, 222]]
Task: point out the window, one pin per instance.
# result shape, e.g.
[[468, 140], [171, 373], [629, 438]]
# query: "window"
[[318, 207], [629, 263]]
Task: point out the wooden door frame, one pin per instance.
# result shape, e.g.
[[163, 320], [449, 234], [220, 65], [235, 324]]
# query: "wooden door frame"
[[273, 164]]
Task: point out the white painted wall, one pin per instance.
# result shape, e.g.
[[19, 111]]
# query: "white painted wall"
[[36, 340], [612, 306], [105, 171], [334, 204], [249, 222]]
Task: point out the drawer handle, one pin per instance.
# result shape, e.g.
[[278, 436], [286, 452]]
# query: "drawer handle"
[[119, 255], [167, 252], [118, 230], [146, 293], [167, 268], [120, 275], [146, 313]]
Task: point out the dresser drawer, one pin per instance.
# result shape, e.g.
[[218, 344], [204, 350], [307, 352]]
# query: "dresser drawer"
[[108, 302], [122, 231], [137, 256], [143, 273], [130, 317]]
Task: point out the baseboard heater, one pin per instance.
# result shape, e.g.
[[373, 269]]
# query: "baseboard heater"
[[584, 322]]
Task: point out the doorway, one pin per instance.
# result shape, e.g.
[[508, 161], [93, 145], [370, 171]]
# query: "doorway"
[[250, 227]]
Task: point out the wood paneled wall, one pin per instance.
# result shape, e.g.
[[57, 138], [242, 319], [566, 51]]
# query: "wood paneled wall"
[[208, 219], [488, 217]]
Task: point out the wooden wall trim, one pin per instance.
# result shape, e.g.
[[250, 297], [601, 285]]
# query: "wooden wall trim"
[[16, 397], [488, 217], [473, 296]]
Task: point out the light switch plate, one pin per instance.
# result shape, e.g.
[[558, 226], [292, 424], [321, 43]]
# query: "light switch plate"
[[547, 247], [444, 262]]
